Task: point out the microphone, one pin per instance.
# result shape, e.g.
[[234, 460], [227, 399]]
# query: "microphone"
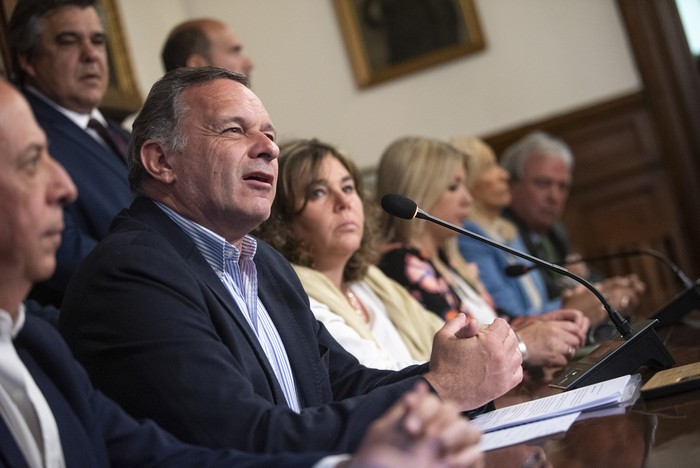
[[402, 207], [637, 345], [669, 313], [679, 305], [519, 269]]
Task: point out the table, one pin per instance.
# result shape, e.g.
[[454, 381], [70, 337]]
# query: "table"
[[662, 432]]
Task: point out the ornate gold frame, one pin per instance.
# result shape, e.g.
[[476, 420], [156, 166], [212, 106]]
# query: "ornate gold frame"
[[6, 7], [122, 97], [360, 47]]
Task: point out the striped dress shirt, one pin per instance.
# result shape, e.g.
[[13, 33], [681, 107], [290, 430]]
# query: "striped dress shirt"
[[237, 272]]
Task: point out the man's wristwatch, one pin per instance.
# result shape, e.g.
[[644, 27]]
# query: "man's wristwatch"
[[521, 347]]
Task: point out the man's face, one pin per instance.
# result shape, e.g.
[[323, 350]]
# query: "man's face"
[[539, 197], [70, 65], [226, 51], [33, 190], [452, 205], [225, 177]]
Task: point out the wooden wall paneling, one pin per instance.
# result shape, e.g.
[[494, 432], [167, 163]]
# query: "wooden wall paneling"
[[631, 215], [672, 89], [5, 59], [610, 146]]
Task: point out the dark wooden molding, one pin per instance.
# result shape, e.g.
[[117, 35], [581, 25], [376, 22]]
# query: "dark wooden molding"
[[5, 58], [672, 89], [561, 123]]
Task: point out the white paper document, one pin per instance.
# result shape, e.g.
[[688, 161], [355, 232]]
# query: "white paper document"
[[519, 434], [608, 393]]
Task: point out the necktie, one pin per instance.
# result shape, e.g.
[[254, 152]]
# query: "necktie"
[[114, 139]]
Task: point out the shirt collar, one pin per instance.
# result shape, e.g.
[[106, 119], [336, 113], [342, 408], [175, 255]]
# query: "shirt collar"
[[81, 120], [8, 326], [215, 249]]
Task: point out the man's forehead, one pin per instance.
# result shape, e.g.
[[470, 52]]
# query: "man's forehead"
[[9, 108], [66, 17], [216, 91], [18, 129], [224, 97], [221, 32], [545, 161]]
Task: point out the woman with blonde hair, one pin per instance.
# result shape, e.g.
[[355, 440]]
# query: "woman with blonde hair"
[[488, 183], [424, 258]]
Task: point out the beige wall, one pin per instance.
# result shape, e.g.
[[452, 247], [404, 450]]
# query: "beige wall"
[[543, 57]]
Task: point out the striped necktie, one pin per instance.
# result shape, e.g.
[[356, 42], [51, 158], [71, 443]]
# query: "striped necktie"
[[114, 139]]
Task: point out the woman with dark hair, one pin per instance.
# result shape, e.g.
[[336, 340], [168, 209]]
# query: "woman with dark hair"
[[322, 222]]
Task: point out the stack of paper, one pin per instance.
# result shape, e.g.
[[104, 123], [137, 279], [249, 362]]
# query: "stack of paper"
[[552, 414]]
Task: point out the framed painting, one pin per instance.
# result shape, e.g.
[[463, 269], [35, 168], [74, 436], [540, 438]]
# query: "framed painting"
[[386, 39], [122, 97], [5, 57]]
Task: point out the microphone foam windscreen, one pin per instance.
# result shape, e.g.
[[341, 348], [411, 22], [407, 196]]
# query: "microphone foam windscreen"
[[399, 206]]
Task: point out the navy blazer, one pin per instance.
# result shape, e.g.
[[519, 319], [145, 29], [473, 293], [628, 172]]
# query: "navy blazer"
[[94, 431], [103, 191], [158, 332], [559, 240]]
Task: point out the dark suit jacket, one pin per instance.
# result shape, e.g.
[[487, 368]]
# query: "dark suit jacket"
[[158, 332], [94, 431], [559, 241], [103, 191]]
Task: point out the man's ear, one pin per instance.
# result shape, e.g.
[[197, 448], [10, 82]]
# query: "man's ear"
[[196, 60], [156, 162], [26, 65]]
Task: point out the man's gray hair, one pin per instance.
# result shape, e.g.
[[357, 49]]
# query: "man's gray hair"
[[516, 155]]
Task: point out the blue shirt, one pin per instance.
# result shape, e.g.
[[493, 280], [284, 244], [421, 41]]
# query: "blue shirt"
[[237, 271]]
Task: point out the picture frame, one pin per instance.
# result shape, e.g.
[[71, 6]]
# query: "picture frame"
[[386, 39], [122, 97], [6, 7]]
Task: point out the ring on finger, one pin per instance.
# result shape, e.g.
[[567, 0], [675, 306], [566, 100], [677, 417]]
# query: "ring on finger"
[[624, 302]]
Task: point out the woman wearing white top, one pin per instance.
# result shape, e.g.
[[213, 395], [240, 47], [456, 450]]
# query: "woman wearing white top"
[[318, 222]]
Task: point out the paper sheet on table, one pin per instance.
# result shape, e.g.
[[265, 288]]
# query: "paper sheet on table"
[[519, 434], [607, 393]]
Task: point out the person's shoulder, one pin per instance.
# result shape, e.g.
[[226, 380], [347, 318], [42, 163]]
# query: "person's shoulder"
[[44, 111], [47, 312], [142, 216], [519, 224], [559, 232], [266, 251], [398, 250], [473, 226], [278, 263], [396, 259], [42, 339], [264, 248], [140, 229]]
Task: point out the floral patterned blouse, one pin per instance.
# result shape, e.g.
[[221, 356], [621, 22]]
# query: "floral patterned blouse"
[[416, 272]]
